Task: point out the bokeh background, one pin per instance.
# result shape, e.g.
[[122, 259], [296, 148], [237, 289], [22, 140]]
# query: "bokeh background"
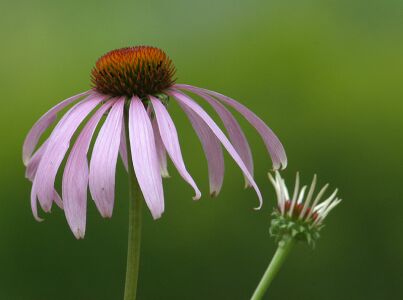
[[327, 76]]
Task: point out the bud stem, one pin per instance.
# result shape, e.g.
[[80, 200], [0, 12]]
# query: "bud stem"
[[277, 261]]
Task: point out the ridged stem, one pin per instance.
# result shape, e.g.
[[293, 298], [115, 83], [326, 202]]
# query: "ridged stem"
[[134, 234], [276, 262]]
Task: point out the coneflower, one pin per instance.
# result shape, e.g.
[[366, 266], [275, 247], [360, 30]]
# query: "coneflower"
[[132, 87], [296, 218]]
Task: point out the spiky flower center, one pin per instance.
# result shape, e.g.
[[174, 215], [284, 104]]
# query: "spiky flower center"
[[133, 71], [297, 210]]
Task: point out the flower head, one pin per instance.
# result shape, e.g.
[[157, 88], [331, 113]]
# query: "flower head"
[[133, 71], [132, 86], [300, 217]]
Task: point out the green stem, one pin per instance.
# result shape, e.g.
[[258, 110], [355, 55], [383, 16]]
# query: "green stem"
[[134, 235], [273, 268]]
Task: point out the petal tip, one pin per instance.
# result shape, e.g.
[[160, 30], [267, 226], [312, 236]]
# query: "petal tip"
[[157, 216], [47, 208], [165, 175], [38, 219], [79, 234], [106, 215], [104, 212], [258, 208], [284, 164], [247, 185], [196, 197]]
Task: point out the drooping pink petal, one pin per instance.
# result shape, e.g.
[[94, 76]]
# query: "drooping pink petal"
[[161, 152], [34, 205], [75, 177], [185, 100], [145, 158], [30, 173], [104, 159], [57, 199], [170, 139], [56, 149], [33, 163], [273, 144], [42, 124], [235, 132], [212, 149], [122, 147]]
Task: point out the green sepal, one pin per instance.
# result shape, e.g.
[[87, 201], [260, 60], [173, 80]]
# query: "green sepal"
[[283, 228]]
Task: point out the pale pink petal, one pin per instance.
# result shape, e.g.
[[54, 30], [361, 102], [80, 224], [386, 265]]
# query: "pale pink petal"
[[235, 132], [122, 147], [212, 149], [75, 177], [56, 149], [42, 124], [273, 144], [57, 199], [56, 196], [34, 205], [31, 170], [104, 159], [170, 139], [145, 158], [33, 163], [185, 100], [161, 152]]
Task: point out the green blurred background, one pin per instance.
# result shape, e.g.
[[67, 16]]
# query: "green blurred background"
[[325, 75]]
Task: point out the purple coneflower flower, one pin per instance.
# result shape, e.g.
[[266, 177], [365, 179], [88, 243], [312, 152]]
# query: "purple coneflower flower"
[[135, 83]]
